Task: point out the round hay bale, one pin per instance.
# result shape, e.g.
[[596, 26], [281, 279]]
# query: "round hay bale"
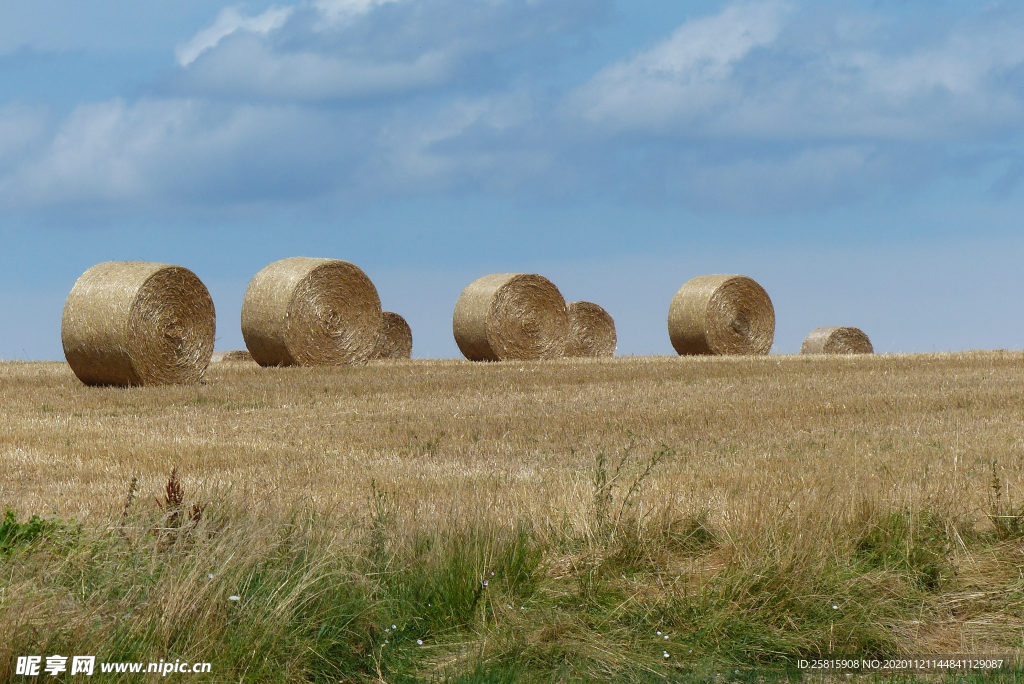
[[591, 331], [394, 341], [721, 314], [511, 316], [235, 356], [310, 312], [837, 340], [138, 323]]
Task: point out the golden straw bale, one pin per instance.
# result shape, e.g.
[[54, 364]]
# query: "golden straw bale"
[[721, 314], [837, 340], [511, 316], [138, 323], [591, 330], [394, 341], [310, 312]]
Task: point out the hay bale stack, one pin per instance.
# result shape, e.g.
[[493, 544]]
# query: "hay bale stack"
[[837, 340], [511, 316], [138, 323], [310, 312], [394, 340], [591, 331], [721, 314], [234, 356]]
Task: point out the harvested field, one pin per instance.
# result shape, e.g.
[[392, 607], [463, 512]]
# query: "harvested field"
[[455, 432], [798, 479]]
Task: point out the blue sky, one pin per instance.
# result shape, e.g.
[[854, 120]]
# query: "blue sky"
[[862, 160]]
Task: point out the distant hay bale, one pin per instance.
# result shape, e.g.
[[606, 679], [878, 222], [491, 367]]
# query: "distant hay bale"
[[138, 323], [394, 340], [310, 312], [511, 316], [591, 331], [721, 314], [235, 356], [837, 340]]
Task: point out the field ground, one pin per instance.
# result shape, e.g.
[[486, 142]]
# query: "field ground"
[[755, 511]]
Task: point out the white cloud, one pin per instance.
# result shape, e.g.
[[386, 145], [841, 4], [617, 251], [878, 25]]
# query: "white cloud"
[[335, 50], [336, 11], [318, 61], [687, 74], [187, 153], [230, 21], [759, 71], [248, 69], [457, 148], [761, 107], [96, 155]]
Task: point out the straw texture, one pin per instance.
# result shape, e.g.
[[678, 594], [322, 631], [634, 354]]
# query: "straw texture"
[[235, 356], [394, 341], [310, 312], [591, 331], [838, 340], [721, 314], [511, 316], [138, 323]]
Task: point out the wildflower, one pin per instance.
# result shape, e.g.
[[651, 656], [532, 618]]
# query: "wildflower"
[[665, 653], [234, 598], [492, 573], [419, 642], [659, 633], [210, 575], [666, 637], [485, 583], [393, 627], [835, 607]]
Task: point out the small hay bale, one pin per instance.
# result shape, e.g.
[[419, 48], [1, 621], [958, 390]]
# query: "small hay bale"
[[721, 314], [310, 312], [234, 356], [591, 331], [511, 316], [138, 323], [394, 340], [837, 340]]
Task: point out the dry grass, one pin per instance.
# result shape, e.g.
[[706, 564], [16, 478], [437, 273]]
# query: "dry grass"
[[790, 463], [756, 438]]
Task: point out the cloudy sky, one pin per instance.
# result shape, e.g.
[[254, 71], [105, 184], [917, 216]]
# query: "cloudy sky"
[[862, 160]]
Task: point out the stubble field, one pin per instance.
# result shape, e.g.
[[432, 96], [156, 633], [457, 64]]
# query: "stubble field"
[[754, 510]]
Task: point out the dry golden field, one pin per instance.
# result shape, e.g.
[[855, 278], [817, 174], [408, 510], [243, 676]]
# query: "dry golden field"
[[756, 438], [790, 460]]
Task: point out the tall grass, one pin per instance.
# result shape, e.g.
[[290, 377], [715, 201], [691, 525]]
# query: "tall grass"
[[632, 595]]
